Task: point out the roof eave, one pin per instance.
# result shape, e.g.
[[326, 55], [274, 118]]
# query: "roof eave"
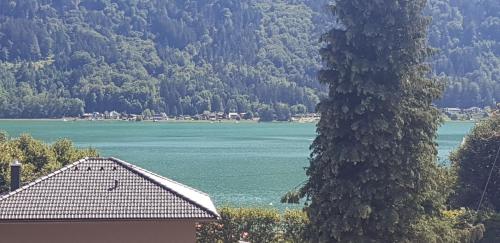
[[89, 220]]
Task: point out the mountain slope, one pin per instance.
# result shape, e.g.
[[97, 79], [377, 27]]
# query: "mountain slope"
[[61, 58], [182, 57]]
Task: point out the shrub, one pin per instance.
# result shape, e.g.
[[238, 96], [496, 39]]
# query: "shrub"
[[253, 225], [450, 227]]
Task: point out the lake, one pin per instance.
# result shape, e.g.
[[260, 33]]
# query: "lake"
[[239, 164]]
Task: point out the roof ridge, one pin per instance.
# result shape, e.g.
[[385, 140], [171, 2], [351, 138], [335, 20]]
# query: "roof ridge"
[[143, 172], [43, 178]]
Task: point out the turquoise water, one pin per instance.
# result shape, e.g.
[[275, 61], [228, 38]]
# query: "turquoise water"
[[241, 164]]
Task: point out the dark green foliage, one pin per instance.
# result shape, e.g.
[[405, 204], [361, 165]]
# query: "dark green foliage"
[[253, 225], [473, 162], [373, 163], [456, 229], [58, 58], [298, 109], [282, 112], [467, 34], [492, 233], [37, 158], [266, 113]]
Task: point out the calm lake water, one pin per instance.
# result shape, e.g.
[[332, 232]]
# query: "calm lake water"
[[243, 164]]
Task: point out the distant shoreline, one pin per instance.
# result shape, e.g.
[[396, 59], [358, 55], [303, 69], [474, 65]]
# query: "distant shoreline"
[[30, 119], [181, 121], [143, 121]]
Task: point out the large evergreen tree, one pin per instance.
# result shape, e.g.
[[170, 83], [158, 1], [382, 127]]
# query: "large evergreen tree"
[[373, 161]]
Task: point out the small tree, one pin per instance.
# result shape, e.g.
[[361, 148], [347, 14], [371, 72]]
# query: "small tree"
[[473, 162], [298, 109], [147, 114], [282, 111], [266, 114]]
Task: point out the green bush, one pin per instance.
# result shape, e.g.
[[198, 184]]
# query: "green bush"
[[446, 230], [454, 226], [294, 224], [253, 225]]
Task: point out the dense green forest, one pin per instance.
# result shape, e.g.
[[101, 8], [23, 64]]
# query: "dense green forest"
[[63, 58], [467, 33]]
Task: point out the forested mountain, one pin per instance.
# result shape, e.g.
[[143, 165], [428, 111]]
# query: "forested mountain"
[[64, 57], [180, 57], [467, 32]]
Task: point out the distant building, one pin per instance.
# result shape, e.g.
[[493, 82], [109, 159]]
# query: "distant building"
[[233, 116], [212, 116], [102, 200], [452, 110], [473, 110], [114, 115], [221, 116], [160, 116], [132, 117], [87, 116]]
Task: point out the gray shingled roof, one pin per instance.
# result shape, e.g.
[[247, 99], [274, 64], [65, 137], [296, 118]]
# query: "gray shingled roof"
[[105, 189]]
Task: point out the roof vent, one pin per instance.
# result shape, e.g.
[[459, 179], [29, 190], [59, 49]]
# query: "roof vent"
[[114, 186]]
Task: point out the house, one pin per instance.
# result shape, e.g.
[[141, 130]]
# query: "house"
[[452, 110], [221, 116], [102, 200], [98, 116], [160, 116], [233, 116], [473, 110], [212, 116], [87, 116], [114, 115]]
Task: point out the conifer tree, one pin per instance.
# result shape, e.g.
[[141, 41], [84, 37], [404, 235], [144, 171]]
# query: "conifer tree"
[[374, 159]]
